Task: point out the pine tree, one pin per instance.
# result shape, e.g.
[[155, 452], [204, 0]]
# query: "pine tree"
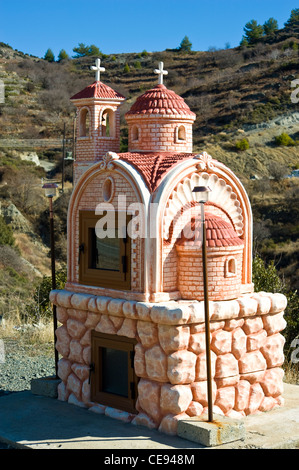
[[294, 18], [49, 56], [185, 45], [62, 55], [270, 26], [253, 31]]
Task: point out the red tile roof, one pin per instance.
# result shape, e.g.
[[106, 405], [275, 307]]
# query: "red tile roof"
[[219, 233], [160, 100], [154, 166], [98, 90]]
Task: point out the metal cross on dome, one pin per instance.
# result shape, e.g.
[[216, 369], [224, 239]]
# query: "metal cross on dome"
[[161, 72], [98, 69]]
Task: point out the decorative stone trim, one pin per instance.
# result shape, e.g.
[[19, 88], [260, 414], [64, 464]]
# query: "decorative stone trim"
[[246, 350]]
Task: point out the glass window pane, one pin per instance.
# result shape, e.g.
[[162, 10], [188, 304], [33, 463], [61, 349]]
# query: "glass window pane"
[[106, 253], [115, 371]]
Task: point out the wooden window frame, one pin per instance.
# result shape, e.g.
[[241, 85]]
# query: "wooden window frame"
[[120, 280], [123, 343]]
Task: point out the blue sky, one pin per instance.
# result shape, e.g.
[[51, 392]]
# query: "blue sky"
[[116, 26]]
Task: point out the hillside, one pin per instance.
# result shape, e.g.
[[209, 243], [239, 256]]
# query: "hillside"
[[236, 93]]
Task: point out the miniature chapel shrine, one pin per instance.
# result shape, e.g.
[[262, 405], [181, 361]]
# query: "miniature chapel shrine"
[[131, 334]]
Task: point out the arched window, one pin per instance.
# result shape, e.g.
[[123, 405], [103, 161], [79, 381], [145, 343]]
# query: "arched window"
[[84, 123], [230, 267], [135, 134], [108, 123], [181, 133]]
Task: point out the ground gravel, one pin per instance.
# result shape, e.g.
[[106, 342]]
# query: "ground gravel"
[[20, 363]]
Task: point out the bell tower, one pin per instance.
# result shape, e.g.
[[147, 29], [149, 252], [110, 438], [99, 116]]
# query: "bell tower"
[[97, 122]]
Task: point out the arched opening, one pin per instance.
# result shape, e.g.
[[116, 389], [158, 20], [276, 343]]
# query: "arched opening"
[[231, 267], [135, 134], [107, 123], [182, 133], [84, 123]]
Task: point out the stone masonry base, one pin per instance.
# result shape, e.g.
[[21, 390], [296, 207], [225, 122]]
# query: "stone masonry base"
[[246, 353]]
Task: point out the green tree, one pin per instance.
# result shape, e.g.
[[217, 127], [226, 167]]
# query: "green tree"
[[126, 68], [83, 50], [284, 140], [62, 55], [253, 31], [49, 56], [185, 45], [244, 42], [294, 18], [94, 50], [270, 26], [6, 233], [242, 144]]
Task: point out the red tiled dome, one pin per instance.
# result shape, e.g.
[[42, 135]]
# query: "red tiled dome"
[[219, 233], [160, 100], [98, 90]]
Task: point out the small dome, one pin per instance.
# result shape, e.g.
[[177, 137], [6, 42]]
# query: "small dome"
[[219, 233], [160, 100], [98, 90]]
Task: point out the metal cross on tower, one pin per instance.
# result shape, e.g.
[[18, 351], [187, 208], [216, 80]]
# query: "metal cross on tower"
[[160, 72], [98, 69]]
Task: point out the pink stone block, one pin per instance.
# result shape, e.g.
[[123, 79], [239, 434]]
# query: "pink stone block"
[[225, 399], [169, 423], [80, 301], [226, 366], [175, 398], [148, 333], [231, 325], [198, 342], [63, 298], [62, 315], [272, 350], [181, 367], [255, 398], [74, 385], [256, 340], [221, 342], [248, 306], [102, 303], [144, 310], [242, 395], [115, 307], [272, 382], [278, 302], [64, 369], [173, 338], [143, 419], [86, 339], [63, 341], [201, 366], [139, 361], [268, 404], [252, 362], [62, 392], [75, 328], [92, 320], [195, 409], [252, 325], [200, 393], [85, 393], [263, 303], [123, 416], [149, 398], [76, 349], [225, 309], [156, 364], [274, 323], [129, 310], [77, 314], [128, 328], [81, 371], [105, 325], [239, 340]]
